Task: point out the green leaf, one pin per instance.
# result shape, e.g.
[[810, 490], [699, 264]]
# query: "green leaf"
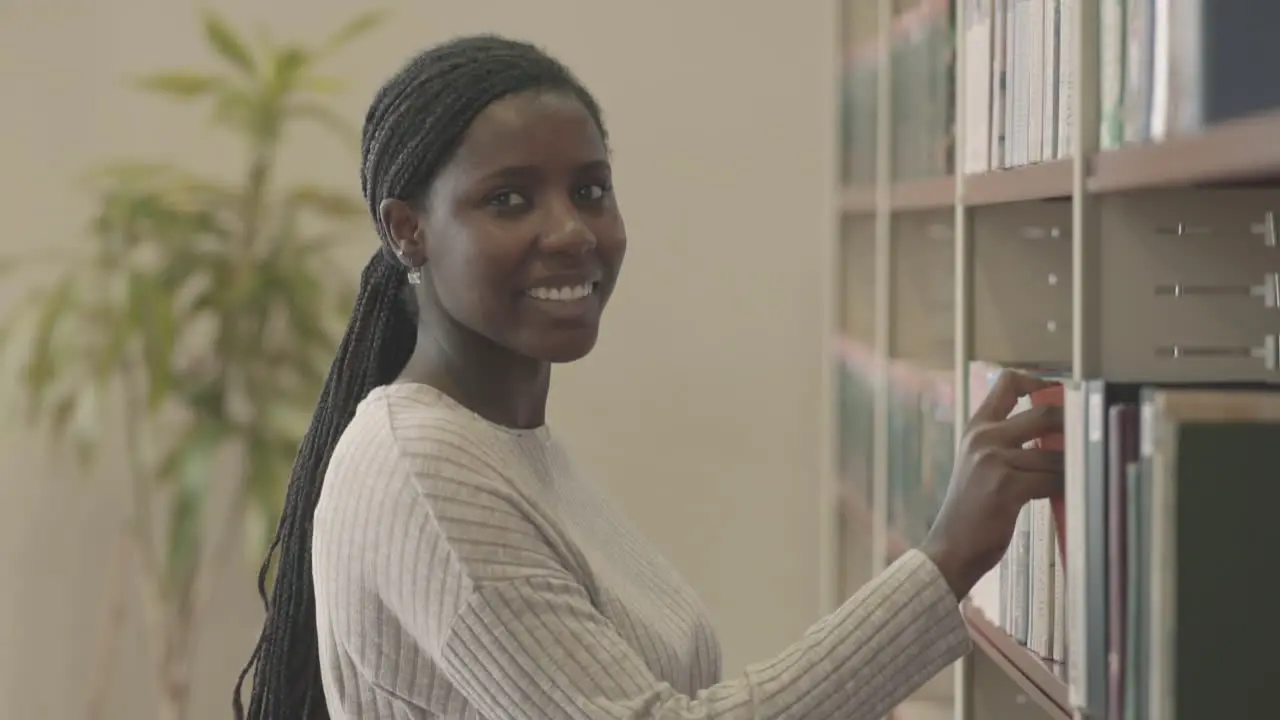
[[323, 85], [60, 412], [60, 394], [286, 69], [183, 85], [85, 422], [153, 321], [114, 340], [238, 111], [43, 361], [353, 29], [226, 43]]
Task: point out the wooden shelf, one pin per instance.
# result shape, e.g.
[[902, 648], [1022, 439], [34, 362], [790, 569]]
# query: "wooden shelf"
[[1245, 150], [936, 193], [1043, 687], [1041, 181], [858, 200]]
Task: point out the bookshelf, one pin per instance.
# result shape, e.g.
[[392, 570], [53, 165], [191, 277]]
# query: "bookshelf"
[[1041, 184]]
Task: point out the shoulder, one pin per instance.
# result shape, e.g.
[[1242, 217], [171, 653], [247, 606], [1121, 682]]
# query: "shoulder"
[[415, 432], [416, 475], [416, 426]]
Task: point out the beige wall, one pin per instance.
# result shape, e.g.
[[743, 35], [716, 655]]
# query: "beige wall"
[[701, 411]]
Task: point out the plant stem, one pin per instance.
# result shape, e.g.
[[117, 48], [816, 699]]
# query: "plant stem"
[[255, 191], [134, 454], [112, 623], [174, 674], [174, 700]]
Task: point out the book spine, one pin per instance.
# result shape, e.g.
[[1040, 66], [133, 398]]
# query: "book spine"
[[1076, 507]]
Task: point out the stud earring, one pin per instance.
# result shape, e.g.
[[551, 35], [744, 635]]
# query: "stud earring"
[[414, 274]]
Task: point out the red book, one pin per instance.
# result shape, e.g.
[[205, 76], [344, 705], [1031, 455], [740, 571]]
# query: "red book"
[[1053, 395]]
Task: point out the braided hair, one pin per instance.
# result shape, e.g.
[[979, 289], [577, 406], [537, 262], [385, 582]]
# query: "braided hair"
[[413, 127]]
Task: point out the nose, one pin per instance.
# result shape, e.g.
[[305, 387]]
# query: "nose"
[[567, 233]]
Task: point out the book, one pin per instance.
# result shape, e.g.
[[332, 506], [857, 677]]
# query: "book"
[[1053, 396], [1111, 510], [1074, 490], [1122, 458], [1209, 458]]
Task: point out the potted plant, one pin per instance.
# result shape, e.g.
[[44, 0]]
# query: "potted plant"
[[199, 322]]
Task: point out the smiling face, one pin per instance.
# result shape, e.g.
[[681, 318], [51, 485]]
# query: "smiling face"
[[520, 232]]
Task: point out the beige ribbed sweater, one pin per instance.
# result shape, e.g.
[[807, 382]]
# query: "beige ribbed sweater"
[[463, 570]]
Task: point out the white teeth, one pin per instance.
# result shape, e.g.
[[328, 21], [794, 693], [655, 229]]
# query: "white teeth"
[[561, 294]]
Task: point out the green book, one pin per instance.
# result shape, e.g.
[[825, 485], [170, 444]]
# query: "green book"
[[1134, 608], [1212, 460]]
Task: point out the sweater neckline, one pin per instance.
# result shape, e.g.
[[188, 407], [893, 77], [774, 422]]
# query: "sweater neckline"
[[434, 396]]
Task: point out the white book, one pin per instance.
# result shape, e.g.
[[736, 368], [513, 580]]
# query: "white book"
[[1035, 590], [1049, 136], [1073, 421], [1068, 47], [995, 116], [1035, 79], [978, 49], [1041, 600], [1020, 577], [1018, 71], [1059, 644], [1111, 74], [1137, 68], [1161, 69], [1008, 71]]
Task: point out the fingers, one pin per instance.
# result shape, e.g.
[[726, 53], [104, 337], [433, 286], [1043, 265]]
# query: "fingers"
[[1036, 485], [1004, 395], [1032, 461], [1022, 474], [1021, 428]]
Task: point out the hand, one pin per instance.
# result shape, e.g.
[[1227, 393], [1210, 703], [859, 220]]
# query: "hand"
[[994, 477]]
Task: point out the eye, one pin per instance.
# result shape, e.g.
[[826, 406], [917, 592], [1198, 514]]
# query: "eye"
[[508, 199], [594, 192]]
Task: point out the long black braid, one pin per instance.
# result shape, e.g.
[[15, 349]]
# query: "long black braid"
[[414, 125]]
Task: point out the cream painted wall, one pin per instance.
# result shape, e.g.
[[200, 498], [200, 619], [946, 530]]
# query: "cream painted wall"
[[701, 412]]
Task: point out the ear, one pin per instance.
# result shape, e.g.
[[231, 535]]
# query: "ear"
[[404, 225]]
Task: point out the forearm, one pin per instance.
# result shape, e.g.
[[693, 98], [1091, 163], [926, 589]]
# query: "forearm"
[[891, 637]]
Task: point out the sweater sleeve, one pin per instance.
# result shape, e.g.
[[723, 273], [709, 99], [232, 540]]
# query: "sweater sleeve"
[[536, 648]]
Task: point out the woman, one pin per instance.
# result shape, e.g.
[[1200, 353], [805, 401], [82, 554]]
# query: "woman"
[[438, 557]]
